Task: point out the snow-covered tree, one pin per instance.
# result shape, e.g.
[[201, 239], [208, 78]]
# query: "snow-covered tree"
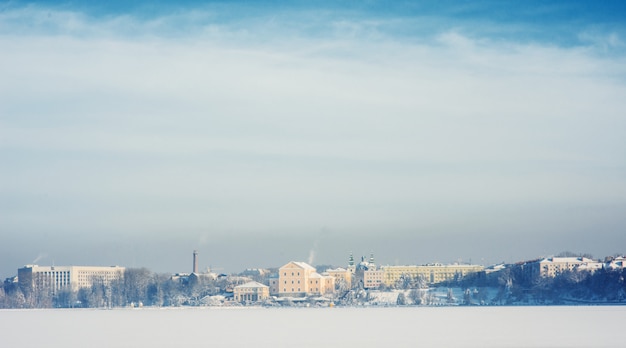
[[416, 296], [401, 301]]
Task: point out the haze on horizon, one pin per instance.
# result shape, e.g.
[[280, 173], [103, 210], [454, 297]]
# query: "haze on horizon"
[[264, 132]]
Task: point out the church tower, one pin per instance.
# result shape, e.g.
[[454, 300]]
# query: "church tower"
[[351, 266]]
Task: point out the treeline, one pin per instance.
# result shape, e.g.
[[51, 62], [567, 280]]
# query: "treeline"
[[569, 287], [511, 285], [139, 287]]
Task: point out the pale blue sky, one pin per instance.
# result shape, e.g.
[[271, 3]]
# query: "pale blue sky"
[[264, 132]]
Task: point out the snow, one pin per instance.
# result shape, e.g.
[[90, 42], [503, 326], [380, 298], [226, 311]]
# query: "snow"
[[252, 285], [566, 327], [384, 298], [304, 265]]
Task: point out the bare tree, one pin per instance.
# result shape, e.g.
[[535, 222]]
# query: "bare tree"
[[136, 281]]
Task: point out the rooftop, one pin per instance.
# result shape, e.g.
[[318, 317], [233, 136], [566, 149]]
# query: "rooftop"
[[252, 285]]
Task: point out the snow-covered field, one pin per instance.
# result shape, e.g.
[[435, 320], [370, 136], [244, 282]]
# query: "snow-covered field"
[[598, 326]]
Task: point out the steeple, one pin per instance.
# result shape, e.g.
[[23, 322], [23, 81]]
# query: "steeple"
[[351, 266], [372, 264]]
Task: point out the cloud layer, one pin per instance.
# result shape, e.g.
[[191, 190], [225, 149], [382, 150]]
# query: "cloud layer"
[[255, 129]]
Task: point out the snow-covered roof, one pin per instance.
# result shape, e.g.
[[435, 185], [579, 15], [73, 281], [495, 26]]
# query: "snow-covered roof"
[[337, 270], [566, 260], [495, 268], [304, 265], [251, 285], [617, 263], [591, 266]]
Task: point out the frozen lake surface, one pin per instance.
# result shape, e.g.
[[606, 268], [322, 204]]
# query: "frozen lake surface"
[[596, 326]]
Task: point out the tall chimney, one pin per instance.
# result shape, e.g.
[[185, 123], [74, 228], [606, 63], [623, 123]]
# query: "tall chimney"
[[195, 261]]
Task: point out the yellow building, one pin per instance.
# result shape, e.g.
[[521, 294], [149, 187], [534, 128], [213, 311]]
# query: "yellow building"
[[54, 278], [431, 274], [251, 291], [373, 278], [299, 279], [341, 275]]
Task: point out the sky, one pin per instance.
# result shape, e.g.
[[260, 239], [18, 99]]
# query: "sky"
[[260, 132]]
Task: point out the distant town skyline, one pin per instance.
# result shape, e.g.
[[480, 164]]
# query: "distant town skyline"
[[261, 132]]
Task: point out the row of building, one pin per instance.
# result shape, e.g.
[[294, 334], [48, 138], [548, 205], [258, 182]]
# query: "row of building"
[[368, 275], [299, 279], [295, 279]]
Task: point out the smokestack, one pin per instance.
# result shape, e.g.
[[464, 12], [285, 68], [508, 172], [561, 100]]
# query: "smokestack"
[[195, 261]]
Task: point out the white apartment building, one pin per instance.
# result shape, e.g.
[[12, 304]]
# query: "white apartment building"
[[552, 266], [54, 278]]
